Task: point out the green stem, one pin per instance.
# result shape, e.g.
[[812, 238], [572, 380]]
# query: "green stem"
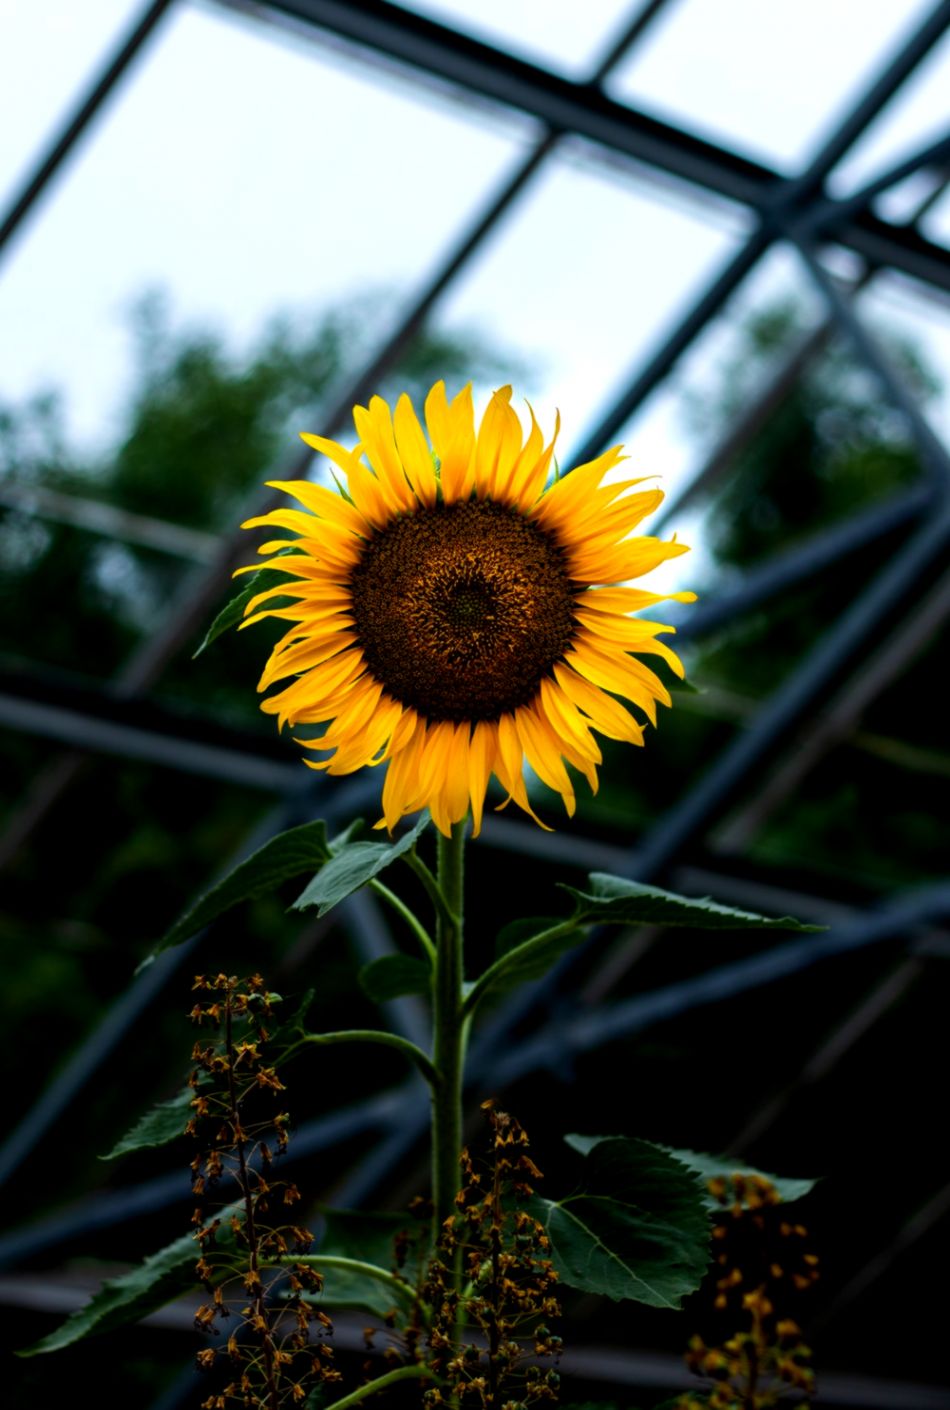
[[523, 951], [371, 1035], [416, 865], [413, 922], [448, 1037], [404, 1373], [356, 1265]]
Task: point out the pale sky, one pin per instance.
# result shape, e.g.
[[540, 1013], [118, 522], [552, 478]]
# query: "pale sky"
[[248, 170]]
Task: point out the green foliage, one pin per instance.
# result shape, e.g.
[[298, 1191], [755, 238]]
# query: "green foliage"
[[391, 976], [352, 866], [129, 1297], [638, 1230], [708, 1166], [289, 854], [164, 1123], [233, 611], [613, 900]]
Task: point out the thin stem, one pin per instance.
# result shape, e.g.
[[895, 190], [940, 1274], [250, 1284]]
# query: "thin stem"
[[412, 920], [432, 888], [371, 1035], [250, 1230], [448, 1045], [356, 1265], [403, 1373]]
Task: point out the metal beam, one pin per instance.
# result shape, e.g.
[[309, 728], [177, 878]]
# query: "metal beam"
[[583, 108]]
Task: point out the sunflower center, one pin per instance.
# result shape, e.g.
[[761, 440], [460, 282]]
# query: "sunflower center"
[[461, 610]]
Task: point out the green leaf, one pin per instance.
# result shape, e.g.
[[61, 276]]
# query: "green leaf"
[[613, 900], [520, 969], [352, 866], [638, 1231], [290, 853], [129, 1297], [165, 1122], [709, 1166], [369, 1238], [393, 975], [233, 612]]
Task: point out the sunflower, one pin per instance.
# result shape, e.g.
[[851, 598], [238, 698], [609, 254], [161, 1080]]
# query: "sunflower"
[[455, 612]]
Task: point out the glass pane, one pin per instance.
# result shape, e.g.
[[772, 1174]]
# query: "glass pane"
[[767, 79], [287, 180], [49, 54], [569, 39]]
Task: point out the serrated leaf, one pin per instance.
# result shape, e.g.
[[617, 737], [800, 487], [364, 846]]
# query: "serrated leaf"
[[391, 976], [613, 900], [708, 1166], [233, 613], [291, 853], [165, 1122], [128, 1298], [352, 866], [639, 1230]]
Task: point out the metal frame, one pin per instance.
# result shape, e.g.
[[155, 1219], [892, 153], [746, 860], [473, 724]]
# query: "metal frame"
[[795, 210]]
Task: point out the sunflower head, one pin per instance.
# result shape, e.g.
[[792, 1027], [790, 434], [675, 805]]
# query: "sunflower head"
[[454, 613]]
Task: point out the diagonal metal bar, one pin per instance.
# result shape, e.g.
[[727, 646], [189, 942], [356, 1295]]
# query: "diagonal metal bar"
[[803, 562], [878, 1001], [88, 108], [837, 720], [795, 697]]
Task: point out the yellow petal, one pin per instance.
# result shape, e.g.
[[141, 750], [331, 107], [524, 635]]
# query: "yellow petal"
[[452, 432], [414, 452]]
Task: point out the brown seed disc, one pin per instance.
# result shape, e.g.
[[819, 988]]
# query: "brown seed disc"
[[461, 610]]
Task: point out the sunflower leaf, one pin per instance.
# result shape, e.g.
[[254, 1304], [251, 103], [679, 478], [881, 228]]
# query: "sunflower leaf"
[[391, 976], [352, 866], [290, 853], [128, 1297], [613, 900], [233, 612], [638, 1230], [708, 1166], [165, 1122]]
